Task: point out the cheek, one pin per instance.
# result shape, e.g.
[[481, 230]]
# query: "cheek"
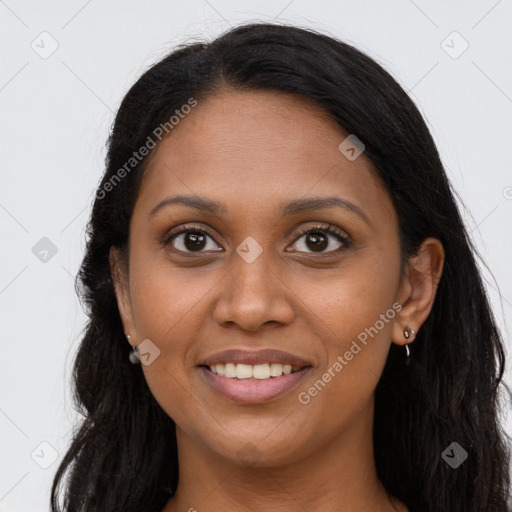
[[350, 302], [166, 301], [355, 315]]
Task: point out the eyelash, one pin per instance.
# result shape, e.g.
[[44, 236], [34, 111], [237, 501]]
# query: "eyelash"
[[341, 236]]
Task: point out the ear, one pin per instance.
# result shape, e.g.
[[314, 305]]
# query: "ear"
[[119, 272], [418, 288]]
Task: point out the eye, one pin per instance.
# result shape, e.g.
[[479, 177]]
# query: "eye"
[[194, 239], [189, 240], [317, 239]]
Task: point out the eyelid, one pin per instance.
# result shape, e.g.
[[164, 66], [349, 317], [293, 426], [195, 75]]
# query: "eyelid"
[[187, 227]]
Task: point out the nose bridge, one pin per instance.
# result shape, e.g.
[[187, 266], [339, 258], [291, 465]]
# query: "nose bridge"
[[250, 268], [251, 278]]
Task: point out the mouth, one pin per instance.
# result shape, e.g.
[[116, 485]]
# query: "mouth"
[[252, 384]]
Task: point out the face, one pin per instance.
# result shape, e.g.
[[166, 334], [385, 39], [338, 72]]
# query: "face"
[[253, 275]]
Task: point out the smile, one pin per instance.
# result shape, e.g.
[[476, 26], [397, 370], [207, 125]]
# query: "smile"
[[253, 384]]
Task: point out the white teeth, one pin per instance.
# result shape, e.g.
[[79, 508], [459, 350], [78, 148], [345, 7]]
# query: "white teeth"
[[248, 371], [261, 371], [243, 371], [230, 370], [276, 370]]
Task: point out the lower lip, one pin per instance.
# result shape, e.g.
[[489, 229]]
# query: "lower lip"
[[253, 391]]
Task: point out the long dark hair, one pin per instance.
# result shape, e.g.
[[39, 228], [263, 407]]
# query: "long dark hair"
[[123, 456]]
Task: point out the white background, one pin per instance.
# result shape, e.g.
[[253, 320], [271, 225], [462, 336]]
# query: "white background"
[[56, 115]]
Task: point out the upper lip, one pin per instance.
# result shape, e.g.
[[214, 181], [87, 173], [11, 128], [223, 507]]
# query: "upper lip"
[[241, 356]]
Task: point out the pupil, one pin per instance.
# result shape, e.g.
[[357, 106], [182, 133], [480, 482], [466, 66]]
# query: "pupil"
[[318, 239], [194, 240]]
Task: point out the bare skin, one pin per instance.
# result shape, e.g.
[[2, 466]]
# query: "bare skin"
[[252, 151]]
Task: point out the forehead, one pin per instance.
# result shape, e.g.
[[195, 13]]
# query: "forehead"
[[252, 149]]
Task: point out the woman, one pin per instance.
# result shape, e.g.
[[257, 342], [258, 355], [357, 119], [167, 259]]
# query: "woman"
[[274, 228]]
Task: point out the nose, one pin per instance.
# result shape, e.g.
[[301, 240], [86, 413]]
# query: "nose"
[[253, 295]]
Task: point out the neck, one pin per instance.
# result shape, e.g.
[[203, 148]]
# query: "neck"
[[340, 475]]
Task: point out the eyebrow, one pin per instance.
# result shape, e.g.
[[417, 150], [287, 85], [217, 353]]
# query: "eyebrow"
[[289, 208]]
